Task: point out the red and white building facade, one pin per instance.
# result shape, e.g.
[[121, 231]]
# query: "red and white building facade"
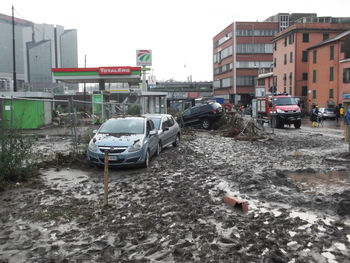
[[238, 52]]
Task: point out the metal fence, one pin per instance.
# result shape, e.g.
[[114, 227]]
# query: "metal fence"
[[55, 121]]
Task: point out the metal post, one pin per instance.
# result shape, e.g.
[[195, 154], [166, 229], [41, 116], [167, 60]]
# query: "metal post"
[[73, 129], [144, 87], [106, 179], [14, 52], [85, 88], [11, 121], [348, 132], [2, 124]]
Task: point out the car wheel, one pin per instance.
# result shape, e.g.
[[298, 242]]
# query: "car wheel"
[[297, 124], [205, 124], [146, 163], [159, 148], [177, 140]]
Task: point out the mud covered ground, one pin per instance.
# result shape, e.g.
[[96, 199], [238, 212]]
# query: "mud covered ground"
[[296, 184]]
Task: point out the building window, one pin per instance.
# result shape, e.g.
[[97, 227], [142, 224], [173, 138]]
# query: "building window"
[[223, 39], [291, 38], [291, 57], [246, 81], [223, 69], [285, 59], [346, 75], [257, 48], [305, 56], [331, 73], [290, 91], [304, 76], [325, 36], [222, 54], [285, 41], [331, 55], [304, 91], [305, 37], [314, 76], [275, 46], [284, 79], [274, 62], [314, 56], [290, 78], [331, 93], [314, 94], [223, 83]]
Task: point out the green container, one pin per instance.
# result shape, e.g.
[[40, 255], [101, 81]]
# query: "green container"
[[26, 114]]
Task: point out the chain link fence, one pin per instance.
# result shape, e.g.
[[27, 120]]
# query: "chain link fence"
[[63, 125]]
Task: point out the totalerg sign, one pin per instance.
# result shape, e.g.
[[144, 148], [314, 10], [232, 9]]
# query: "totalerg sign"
[[114, 70]]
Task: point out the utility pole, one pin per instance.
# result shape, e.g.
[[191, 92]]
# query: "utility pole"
[[85, 88], [14, 52]]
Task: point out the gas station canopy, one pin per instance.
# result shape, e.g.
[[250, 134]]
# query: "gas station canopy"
[[100, 75]]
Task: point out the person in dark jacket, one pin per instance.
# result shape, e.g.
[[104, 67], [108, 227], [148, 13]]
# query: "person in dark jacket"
[[313, 116]]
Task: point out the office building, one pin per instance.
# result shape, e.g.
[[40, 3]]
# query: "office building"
[[240, 50], [285, 19], [39, 47]]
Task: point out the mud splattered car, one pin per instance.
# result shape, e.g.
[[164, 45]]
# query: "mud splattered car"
[[128, 141]]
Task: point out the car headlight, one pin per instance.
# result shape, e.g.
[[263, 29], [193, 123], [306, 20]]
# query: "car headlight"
[[93, 146], [298, 111], [136, 146], [280, 111]]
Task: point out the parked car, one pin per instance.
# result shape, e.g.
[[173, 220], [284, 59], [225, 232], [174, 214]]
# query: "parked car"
[[167, 127], [327, 113], [129, 141], [204, 115]]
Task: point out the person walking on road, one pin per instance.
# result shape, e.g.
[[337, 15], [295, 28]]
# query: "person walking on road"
[[337, 113], [313, 116]]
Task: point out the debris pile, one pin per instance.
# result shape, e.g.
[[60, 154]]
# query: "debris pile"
[[240, 128]]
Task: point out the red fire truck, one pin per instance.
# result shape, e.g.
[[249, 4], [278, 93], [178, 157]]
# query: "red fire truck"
[[279, 109]]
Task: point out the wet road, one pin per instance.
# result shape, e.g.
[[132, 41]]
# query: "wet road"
[[295, 181]]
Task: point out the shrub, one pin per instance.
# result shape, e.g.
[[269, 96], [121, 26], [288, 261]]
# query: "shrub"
[[16, 162], [133, 109]]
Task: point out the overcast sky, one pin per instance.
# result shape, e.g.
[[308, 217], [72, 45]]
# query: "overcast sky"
[[180, 33]]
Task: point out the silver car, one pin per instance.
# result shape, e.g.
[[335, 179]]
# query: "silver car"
[[167, 127], [327, 113]]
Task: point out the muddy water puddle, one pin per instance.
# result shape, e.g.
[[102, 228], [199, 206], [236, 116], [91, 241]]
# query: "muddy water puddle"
[[327, 182]]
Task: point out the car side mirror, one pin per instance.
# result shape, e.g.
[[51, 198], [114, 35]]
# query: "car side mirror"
[[94, 131], [152, 132]]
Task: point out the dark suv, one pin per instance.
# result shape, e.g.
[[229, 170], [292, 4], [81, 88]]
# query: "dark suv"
[[204, 115]]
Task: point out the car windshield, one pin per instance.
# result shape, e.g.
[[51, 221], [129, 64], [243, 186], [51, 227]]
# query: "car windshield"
[[123, 126], [156, 122], [284, 101]]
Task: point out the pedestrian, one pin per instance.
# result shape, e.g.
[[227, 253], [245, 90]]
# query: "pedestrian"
[[313, 115], [337, 113]]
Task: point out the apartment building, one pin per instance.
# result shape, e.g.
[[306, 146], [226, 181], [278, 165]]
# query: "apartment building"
[[291, 55], [239, 51], [329, 71]]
